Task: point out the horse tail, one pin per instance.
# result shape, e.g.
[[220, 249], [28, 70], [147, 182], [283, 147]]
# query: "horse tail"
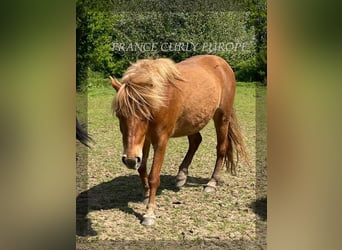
[[235, 143], [82, 135]]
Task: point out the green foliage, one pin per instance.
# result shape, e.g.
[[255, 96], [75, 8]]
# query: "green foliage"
[[119, 66], [82, 50], [258, 21], [201, 31], [97, 80], [93, 39], [247, 71], [242, 33], [100, 37]]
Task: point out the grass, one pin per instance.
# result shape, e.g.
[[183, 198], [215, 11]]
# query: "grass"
[[114, 192]]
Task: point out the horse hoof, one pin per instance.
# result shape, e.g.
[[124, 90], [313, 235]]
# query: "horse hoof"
[[180, 183], [209, 189], [148, 221]]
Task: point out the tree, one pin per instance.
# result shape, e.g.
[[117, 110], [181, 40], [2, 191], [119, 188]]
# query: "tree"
[[258, 21], [187, 33], [101, 25], [93, 39]]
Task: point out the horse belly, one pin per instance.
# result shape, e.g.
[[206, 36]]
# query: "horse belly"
[[198, 109]]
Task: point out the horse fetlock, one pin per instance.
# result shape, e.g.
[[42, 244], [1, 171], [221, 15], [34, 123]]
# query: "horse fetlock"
[[146, 193], [145, 200], [182, 175], [150, 209]]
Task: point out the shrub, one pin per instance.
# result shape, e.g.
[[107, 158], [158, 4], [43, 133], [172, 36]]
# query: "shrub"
[[247, 71], [96, 80]]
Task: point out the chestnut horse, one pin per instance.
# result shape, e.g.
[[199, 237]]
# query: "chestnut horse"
[[158, 99]]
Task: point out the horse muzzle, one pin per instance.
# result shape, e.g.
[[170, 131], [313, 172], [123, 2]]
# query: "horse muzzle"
[[132, 163]]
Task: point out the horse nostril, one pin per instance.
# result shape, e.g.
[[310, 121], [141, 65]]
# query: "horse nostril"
[[138, 159]]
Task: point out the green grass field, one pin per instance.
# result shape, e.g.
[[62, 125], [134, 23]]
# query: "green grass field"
[[114, 192]]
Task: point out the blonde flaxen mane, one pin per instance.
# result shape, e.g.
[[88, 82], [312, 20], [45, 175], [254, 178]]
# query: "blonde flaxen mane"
[[143, 87]]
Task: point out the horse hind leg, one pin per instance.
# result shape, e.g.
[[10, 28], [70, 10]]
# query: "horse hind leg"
[[194, 142], [221, 125]]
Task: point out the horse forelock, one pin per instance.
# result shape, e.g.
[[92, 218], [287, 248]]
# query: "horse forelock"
[[143, 87]]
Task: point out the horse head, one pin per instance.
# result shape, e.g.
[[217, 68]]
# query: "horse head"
[[133, 128]]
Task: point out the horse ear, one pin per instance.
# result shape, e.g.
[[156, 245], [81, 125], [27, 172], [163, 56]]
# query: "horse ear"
[[115, 83]]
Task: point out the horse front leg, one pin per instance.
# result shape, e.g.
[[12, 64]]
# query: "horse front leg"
[[142, 171], [154, 181]]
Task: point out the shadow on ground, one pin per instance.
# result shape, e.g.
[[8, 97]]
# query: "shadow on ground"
[[260, 208], [116, 194]]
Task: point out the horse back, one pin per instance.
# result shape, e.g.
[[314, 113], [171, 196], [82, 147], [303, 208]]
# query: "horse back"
[[208, 84]]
